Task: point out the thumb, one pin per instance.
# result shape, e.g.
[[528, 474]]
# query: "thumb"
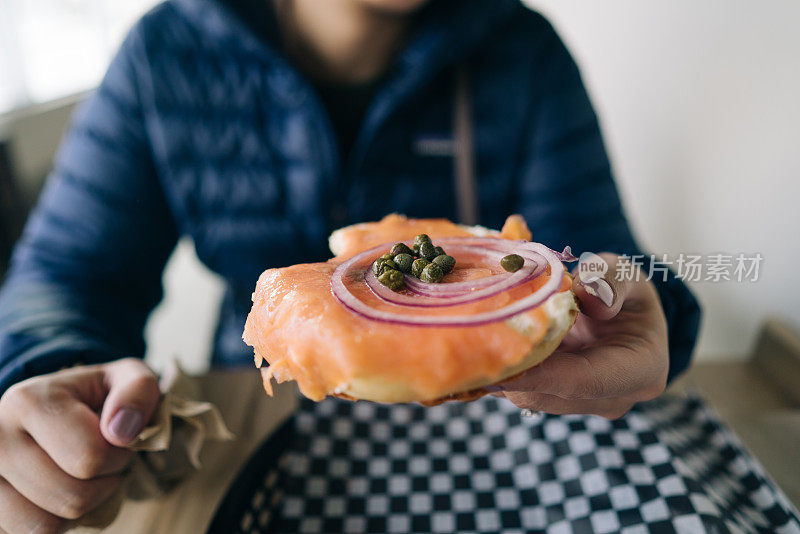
[[132, 398], [600, 296]]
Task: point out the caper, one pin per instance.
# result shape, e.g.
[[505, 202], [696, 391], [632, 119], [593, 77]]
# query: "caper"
[[422, 238], [400, 248], [432, 274], [404, 262], [415, 249], [445, 262], [427, 251], [381, 264], [418, 265], [512, 263], [387, 256], [392, 278], [439, 251]]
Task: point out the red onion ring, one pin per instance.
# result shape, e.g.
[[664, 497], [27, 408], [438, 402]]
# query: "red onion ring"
[[424, 288], [415, 285], [507, 245], [419, 287], [535, 299], [566, 255], [425, 292], [523, 275]]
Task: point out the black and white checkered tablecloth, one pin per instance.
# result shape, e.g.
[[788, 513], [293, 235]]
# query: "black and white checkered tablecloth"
[[668, 466]]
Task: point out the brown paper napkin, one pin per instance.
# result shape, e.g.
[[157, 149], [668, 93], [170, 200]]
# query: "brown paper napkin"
[[168, 448]]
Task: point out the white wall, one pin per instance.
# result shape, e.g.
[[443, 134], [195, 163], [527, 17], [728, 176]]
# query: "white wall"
[[700, 106]]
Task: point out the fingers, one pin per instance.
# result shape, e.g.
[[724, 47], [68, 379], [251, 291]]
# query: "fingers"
[[73, 440], [51, 412], [605, 296], [614, 369], [36, 477], [126, 390], [541, 402], [132, 398], [56, 454], [18, 514], [621, 353], [600, 297]]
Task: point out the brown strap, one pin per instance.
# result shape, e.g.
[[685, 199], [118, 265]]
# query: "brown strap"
[[464, 150]]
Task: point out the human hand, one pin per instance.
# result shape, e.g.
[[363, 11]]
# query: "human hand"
[[59, 459], [615, 355]]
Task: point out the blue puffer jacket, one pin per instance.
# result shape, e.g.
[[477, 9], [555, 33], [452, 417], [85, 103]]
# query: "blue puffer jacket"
[[201, 128]]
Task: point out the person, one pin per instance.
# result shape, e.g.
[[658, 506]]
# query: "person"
[[257, 127]]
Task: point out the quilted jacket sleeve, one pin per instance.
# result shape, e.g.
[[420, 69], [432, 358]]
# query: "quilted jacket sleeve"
[[567, 192], [87, 270]]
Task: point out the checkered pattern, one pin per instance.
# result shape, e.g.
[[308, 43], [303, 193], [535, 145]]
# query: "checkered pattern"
[[668, 466]]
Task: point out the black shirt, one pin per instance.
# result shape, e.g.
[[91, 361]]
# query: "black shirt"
[[346, 104]]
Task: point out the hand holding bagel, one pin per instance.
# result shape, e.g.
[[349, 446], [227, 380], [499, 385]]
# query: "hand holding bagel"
[[615, 355]]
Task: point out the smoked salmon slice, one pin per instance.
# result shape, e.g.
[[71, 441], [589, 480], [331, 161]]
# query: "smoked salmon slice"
[[301, 332]]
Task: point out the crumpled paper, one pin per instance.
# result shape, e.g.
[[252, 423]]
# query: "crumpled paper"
[[168, 448]]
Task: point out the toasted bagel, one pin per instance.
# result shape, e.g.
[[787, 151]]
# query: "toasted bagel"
[[306, 335]]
